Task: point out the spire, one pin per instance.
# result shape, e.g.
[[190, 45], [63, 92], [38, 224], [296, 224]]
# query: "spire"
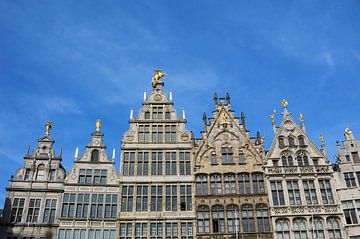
[[28, 150], [170, 96], [76, 153], [98, 125], [205, 121], [272, 117], [183, 114], [285, 103], [243, 119], [228, 98], [131, 114], [113, 155], [60, 153], [215, 98], [144, 95], [301, 118]]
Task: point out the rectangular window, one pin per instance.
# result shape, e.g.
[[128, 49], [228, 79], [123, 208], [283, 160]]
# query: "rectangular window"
[[27, 174], [49, 211], [277, 193], [215, 184], [111, 205], [258, 183], [127, 195], [33, 210], [157, 112], [310, 192], [230, 183], [143, 163], [97, 205], [244, 183], [349, 212], [171, 198], [143, 134], [170, 133], [82, 205], [201, 185], [326, 191], [293, 192], [17, 209], [241, 158], [156, 163], [157, 133], [171, 230], [140, 230], [156, 230], [126, 231], [142, 198], [185, 198], [167, 115], [171, 163], [129, 164], [227, 155], [350, 179], [355, 157], [156, 198], [68, 208], [185, 163], [186, 230]]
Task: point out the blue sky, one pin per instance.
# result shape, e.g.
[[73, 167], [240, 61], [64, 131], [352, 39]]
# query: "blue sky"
[[72, 62]]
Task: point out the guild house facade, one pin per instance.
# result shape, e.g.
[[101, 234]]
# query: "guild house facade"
[[225, 184]]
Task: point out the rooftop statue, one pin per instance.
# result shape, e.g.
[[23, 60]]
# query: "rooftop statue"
[[48, 126], [158, 74]]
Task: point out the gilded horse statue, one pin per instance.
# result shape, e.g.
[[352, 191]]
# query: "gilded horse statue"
[[158, 74]]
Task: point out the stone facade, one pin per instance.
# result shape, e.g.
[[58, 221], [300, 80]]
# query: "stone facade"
[[230, 197], [301, 185], [348, 182], [34, 195], [156, 178]]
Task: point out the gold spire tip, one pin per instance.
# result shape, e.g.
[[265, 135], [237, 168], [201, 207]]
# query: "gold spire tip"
[[284, 103], [98, 125], [48, 126]]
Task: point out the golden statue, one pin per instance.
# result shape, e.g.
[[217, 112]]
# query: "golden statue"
[[272, 116], [98, 124], [301, 117], [158, 74], [223, 117], [284, 103], [348, 131], [48, 126]]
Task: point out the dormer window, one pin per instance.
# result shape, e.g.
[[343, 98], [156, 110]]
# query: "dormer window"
[[291, 142], [95, 156], [227, 155], [281, 142], [301, 141], [40, 174]]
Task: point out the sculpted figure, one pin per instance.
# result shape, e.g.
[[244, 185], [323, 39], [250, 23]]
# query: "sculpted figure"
[[158, 74]]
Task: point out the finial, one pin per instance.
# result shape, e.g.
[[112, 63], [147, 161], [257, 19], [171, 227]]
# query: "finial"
[[113, 154], [204, 117], [322, 139], [48, 126], [243, 119], [60, 153], [131, 114], [284, 103], [28, 150], [215, 98], [76, 152], [227, 97], [98, 125], [272, 116], [170, 96], [348, 131], [158, 74], [144, 95], [183, 114], [301, 117]]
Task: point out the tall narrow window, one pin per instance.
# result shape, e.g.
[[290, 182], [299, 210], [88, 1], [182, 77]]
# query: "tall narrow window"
[[355, 157], [40, 173], [171, 230], [232, 217], [277, 193], [157, 133], [95, 156], [258, 182], [187, 230], [82, 205], [302, 159], [218, 219], [349, 212], [143, 163], [126, 231], [262, 217], [213, 158], [317, 228], [326, 191], [201, 184], [247, 218], [282, 229], [49, 211], [17, 209], [242, 158], [97, 205], [127, 196], [300, 230], [185, 163], [140, 231], [68, 208], [170, 133], [171, 163], [185, 198], [287, 160], [230, 183], [350, 179], [203, 220], [333, 228], [215, 184], [227, 155], [111, 205], [281, 142], [157, 112], [156, 198], [156, 231], [141, 198], [27, 174], [156, 163], [291, 142], [143, 134], [244, 183], [129, 164], [301, 141], [310, 192], [171, 198], [293, 192]]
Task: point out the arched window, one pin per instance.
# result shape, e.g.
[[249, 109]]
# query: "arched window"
[[258, 182], [230, 183], [301, 141], [95, 156], [302, 159], [218, 219], [317, 228], [203, 219], [262, 217], [291, 142], [244, 183], [241, 158], [281, 142], [247, 217], [215, 184], [213, 158], [300, 230], [40, 174], [227, 155], [282, 229], [201, 184], [287, 160], [333, 226], [232, 217]]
